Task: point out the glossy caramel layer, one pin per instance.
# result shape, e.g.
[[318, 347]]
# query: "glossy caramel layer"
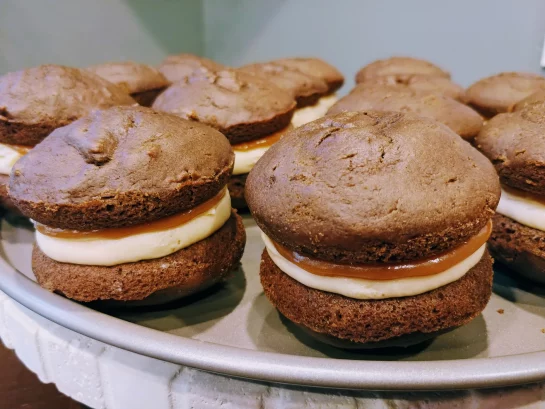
[[385, 271], [262, 142], [165, 223]]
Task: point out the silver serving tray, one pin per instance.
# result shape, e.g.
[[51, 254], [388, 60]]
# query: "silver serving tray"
[[233, 330]]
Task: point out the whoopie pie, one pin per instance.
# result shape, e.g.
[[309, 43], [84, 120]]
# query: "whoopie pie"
[[36, 101], [130, 203], [251, 112], [375, 227]]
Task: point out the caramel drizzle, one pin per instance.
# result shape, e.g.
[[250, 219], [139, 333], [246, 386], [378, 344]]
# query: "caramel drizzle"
[[425, 267], [165, 223], [524, 194], [262, 142]]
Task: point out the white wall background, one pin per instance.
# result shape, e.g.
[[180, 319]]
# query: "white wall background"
[[471, 38], [84, 32]]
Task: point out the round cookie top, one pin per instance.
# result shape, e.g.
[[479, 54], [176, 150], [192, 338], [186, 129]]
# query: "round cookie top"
[[316, 68], [460, 118], [240, 105], [135, 77], [35, 101], [496, 94], [120, 167], [514, 143], [180, 66], [535, 98], [306, 89], [401, 68], [362, 187], [434, 85]]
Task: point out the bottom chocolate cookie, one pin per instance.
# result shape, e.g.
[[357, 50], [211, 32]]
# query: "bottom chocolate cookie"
[[185, 272], [395, 320], [236, 191], [519, 247]]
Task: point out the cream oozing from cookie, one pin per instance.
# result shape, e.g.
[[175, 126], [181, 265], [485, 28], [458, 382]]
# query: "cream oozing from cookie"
[[100, 250], [248, 153], [522, 208], [245, 160], [363, 289], [8, 156], [311, 113]]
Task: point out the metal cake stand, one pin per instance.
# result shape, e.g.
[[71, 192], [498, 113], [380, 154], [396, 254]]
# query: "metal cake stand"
[[136, 358]]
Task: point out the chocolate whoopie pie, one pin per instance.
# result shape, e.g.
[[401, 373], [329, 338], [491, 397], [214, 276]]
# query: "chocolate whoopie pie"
[[251, 112], [36, 101], [514, 143], [460, 118], [180, 66], [130, 203], [355, 210], [400, 68], [434, 85], [143, 82], [311, 92], [498, 93], [317, 68]]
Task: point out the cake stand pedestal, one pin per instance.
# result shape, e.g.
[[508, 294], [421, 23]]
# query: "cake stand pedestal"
[[102, 376]]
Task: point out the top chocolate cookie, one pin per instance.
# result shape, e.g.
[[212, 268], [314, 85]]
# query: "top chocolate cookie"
[[240, 105], [120, 167], [135, 77], [433, 85], [514, 143], [460, 118], [496, 94], [316, 68], [180, 66], [35, 101], [372, 187], [400, 68], [306, 89]]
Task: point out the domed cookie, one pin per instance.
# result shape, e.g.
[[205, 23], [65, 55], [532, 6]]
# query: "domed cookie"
[[497, 93], [434, 85], [461, 119], [356, 208], [316, 68], [400, 68], [514, 144], [180, 66], [306, 89], [120, 167], [143, 82], [130, 203], [36, 101], [226, 101]]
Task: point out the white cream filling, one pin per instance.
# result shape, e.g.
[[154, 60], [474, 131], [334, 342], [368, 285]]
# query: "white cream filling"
[[246, 160], [363, 289], [313, 112], [99, 251], [522, 209], [8, 157]]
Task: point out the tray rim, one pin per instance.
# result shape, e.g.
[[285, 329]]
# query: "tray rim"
[[272, 366]]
